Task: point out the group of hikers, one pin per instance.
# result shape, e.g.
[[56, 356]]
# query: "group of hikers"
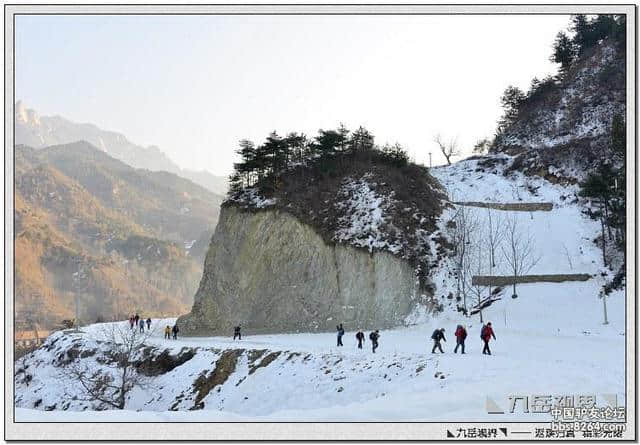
[[168, 330], [138, 322], [486, 333], [135, 321], [373, 336]]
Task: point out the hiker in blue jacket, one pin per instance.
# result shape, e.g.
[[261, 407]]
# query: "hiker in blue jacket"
[[437, 337]]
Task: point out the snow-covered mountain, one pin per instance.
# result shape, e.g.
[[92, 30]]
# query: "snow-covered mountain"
[[38, 131], [547, 337], [352, 235]]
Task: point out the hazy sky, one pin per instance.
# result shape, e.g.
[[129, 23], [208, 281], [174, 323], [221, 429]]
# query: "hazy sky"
[[195, 85]]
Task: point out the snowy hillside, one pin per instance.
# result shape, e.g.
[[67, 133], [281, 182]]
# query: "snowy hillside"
[[582, 108], [564, 236], [550, 340]]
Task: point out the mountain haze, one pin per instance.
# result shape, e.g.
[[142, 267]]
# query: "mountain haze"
[[42, 131]]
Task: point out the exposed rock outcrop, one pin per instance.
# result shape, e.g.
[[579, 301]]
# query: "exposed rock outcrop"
[[270, 272]]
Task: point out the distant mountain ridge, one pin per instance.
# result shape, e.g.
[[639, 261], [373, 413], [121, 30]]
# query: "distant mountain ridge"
[[38, 131]]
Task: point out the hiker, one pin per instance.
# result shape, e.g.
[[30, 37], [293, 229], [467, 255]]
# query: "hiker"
[[148, 323], [374, 336], [437, 337], [360, 338], [131, 322], [236, 333], [175, 331], [485, 334], [340, 334], [141, 325], [167, 332], [136, 318], [461, 334]]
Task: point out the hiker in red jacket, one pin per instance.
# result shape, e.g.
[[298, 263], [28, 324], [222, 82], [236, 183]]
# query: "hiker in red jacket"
[[486, 334], [461, 334]]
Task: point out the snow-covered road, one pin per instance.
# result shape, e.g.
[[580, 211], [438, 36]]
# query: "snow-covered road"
[[542, 350]]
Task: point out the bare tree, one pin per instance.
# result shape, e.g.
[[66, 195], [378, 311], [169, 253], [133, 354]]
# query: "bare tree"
[[449, 149], [476, 264], [465, 225], [519, 252], [111, 385], [494, 235]]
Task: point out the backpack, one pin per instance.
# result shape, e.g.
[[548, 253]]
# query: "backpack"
[[482, 331], [372, 336], [435, 335]]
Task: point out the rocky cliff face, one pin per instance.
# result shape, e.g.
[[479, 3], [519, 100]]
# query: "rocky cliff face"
[[269, 272]]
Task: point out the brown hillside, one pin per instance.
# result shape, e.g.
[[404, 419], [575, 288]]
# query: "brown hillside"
[[72, 243]]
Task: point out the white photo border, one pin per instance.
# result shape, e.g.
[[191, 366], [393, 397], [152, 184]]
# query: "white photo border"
[[316, 431]]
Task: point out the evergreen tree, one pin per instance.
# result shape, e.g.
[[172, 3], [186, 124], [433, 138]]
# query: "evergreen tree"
[[343, 141], [603, 26], [328, 141], [583, 29], [589, 32], [600, 187], [296, 145], [619, 34], [618, 216], [246, 168], [276, 156], [511, 100], [564, 52], [361, 140], [261, 163], [396, 154], [235, 182]]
